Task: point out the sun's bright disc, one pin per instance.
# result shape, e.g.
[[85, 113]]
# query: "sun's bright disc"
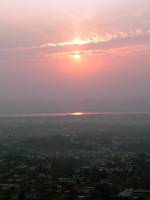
[[77, 55]]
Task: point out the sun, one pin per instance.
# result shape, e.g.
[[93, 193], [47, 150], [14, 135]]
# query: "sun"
[[77, 55]]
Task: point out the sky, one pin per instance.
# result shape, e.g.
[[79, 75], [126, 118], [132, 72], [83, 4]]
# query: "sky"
[[66, 49]]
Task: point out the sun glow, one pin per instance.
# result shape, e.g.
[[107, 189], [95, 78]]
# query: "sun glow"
[[77, 114], [78, 41], [77, 55]]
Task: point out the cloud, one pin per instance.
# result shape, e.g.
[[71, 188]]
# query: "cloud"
[[87, 46]]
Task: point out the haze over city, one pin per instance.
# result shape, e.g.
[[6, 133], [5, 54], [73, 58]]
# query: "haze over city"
[[74, 100]]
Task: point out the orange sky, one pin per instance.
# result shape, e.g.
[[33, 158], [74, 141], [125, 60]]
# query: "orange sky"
[[74, 49]]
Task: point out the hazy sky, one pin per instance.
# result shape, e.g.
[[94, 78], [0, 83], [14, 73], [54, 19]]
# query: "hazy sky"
[[74, 49]]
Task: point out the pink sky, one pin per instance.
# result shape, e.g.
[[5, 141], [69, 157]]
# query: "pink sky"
[[39, 41]]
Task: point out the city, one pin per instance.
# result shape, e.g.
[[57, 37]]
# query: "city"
[[75, 157]]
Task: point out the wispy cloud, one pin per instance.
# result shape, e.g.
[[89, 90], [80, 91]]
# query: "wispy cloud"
[[94, 44]]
